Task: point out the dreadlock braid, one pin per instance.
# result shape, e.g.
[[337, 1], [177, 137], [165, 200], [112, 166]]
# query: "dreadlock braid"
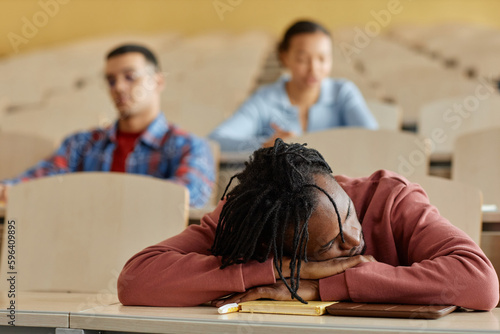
[[275, 196]]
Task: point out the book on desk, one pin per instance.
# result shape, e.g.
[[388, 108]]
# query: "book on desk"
[[285, 307], [317, 308]]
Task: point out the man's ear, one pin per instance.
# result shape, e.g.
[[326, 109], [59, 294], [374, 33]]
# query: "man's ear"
[[160, 81]]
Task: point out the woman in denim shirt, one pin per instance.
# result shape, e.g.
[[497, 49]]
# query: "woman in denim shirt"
[[306, 100]]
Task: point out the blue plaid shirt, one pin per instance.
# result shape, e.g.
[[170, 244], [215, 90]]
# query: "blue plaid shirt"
[[162, 151]]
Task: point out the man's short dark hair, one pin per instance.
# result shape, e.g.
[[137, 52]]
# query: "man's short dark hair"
[[127, 48]]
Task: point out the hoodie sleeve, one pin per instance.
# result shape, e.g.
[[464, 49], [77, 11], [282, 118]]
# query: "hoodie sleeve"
[[181, 271], [438, 263]]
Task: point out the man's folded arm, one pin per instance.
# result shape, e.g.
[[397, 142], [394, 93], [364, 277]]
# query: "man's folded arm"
[[64, 160], [180, 271], [195, 170], [444, 266]]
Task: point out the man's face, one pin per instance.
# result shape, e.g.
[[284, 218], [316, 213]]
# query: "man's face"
[[133, 84], [324, 234]]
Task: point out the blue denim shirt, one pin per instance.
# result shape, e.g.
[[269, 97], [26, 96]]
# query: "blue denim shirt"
[[340, 103]]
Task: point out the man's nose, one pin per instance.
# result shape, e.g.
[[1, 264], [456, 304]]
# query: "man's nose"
[[352, 235], [120, 84]]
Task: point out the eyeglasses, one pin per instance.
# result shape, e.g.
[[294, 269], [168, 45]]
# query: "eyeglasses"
[[130, 77]]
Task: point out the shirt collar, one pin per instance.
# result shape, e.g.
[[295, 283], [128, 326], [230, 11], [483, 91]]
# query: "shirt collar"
[[325, 95], [152, 136]]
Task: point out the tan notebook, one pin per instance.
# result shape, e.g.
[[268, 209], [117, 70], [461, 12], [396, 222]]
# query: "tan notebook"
[[285, 307]]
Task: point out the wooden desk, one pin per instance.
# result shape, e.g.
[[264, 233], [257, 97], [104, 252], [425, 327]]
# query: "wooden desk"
[[234, 157], [205, 319], [49, 309], [195, 215], [491, 216], [102, 312]]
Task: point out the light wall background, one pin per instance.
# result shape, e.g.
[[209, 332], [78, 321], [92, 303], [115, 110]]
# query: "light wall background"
[[75, 19]]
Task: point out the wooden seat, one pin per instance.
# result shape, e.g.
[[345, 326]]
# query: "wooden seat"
[[413, 86], [383, 56], [74, 232], [447, 40], [359, 152], [18, 152], [31, 71], [458, 202], [444, 120], [3, 108], [344, 68], [388, 115], [62, 88], [191, 98], [64, 115], [412, 35], [476, 162], [57, 70]]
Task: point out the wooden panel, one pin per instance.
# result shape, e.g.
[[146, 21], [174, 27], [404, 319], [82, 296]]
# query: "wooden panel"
[[360, 152], [459, 203], [64, 115], [75, 232], [490, 243], [209, 76], [418, 85], [19, 151], [445, 120], [476, 161], [388, 115]]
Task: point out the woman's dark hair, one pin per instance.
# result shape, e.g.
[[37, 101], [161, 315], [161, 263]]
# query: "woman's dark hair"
[[300, 27], [269, 210], [127, 48]]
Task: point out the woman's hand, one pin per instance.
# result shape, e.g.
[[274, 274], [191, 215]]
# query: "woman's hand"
[[278, 133]]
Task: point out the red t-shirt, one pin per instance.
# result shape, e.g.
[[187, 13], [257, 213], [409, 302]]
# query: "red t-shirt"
[[125, 143]]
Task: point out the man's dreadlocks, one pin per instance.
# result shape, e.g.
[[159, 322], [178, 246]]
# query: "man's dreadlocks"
[[275, 197]]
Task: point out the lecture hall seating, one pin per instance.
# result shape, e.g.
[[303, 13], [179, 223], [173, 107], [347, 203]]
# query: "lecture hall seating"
[[81, 228], [476, 162], [19, 152], [444, 120], [358, 152]]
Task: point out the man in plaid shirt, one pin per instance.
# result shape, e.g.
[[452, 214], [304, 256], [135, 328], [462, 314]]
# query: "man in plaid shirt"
[[141, 141]]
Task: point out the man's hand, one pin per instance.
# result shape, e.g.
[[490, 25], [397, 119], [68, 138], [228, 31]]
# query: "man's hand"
[[310, 273], [278, 133], [308, 290], [322, 269], [4, 189]]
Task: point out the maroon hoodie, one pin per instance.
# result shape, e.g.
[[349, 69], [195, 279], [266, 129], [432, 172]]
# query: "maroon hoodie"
[[423, 259]]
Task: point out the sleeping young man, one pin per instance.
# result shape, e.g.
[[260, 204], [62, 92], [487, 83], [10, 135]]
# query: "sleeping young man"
[[291, 230]]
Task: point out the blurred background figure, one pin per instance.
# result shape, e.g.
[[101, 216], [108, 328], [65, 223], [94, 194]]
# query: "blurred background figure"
[[304, 100], [141, 141]]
